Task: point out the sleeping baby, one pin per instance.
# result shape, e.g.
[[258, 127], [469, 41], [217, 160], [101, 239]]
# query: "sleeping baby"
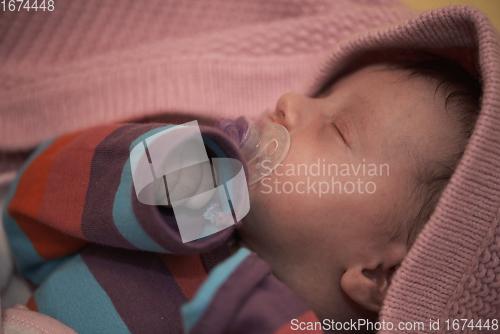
[[103, 262], [339, 251]]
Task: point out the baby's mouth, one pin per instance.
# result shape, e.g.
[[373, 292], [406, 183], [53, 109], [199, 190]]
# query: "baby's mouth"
[[264, 144]]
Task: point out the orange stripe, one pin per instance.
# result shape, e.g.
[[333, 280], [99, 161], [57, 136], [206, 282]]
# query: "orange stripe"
[[64, 198], [48, 242], [187, 270], [32, 304], [304, 318]]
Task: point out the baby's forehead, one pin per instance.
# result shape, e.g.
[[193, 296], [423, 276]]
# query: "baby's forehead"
[[389, 109], [393, 70]]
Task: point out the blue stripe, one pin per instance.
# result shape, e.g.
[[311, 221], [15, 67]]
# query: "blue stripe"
[[124, 218], [73, 296], [28, 261], [192, 311]]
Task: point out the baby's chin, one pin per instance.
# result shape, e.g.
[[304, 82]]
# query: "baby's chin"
[[254, 187], [254, 193], [249, 232]]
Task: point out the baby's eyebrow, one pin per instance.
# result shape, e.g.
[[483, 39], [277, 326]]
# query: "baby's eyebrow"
[[327, 89]]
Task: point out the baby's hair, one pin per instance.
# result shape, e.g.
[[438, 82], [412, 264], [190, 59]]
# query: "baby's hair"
[[463, 98]]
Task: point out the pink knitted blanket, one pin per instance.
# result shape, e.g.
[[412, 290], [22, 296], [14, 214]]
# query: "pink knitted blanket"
[[95, 61], [92, 62]]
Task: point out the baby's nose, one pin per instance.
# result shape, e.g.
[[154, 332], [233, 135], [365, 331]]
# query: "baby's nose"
[[288, 110]]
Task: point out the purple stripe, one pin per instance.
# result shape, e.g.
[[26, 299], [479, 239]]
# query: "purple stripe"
[[105, 175], [274, 304], [251, 301], [162, 228], [140, 286], [215, 256]]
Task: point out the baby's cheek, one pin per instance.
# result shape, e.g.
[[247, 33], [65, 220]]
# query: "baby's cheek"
[[276, 215]]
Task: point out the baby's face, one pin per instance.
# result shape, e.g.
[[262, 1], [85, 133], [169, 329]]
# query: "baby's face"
[[373, 117]]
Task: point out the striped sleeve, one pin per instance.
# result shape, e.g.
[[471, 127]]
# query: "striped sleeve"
[[240, 296], [78, 189]]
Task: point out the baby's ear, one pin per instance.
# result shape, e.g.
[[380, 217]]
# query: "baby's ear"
[[367, 284], [367, 287]]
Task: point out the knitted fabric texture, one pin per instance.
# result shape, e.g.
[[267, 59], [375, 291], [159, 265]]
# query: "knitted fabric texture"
[[91, 62]]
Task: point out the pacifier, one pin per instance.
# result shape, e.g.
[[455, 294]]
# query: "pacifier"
[[264, 144]]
